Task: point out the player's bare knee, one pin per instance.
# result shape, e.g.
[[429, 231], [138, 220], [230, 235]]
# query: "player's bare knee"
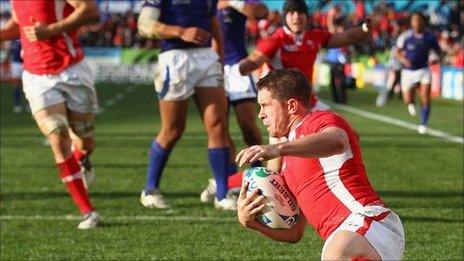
[[54, 124], [170, 136]]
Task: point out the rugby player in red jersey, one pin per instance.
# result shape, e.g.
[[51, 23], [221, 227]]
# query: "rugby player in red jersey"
[[59, 86], [323, 168]]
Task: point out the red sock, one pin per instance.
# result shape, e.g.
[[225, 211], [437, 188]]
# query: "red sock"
[[235, 180], [79, 155], [70, 173]]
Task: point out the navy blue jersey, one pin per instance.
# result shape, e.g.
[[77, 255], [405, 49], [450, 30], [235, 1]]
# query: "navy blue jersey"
[[233, 30], [15, 51], [185, 13], [417, 48]]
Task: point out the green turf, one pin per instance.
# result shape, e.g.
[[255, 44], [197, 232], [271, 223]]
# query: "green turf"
[[420, 177]]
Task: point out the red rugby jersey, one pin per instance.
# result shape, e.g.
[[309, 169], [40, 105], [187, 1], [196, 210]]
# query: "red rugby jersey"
[[299, 52], [328, 189], [53, 55]]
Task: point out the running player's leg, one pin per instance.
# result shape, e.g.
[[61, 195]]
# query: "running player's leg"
[[246, 113], [424, 93], [172, 84], [173, 116], [53, 123], [83, 142], [408, 88], [212, 104]]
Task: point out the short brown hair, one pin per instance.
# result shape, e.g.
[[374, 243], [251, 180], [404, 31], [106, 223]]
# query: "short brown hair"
[[285, 84]]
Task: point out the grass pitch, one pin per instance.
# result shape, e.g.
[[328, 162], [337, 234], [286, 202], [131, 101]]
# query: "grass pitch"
[[420, 177]]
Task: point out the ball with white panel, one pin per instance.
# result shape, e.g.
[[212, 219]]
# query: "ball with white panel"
[[281, 210]]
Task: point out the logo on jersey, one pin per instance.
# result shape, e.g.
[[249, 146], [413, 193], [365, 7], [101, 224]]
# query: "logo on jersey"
[[410, 47]]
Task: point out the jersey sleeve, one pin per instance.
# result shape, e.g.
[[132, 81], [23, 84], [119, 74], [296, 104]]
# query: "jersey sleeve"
[[322, 36], [269, 46], [401, 39]]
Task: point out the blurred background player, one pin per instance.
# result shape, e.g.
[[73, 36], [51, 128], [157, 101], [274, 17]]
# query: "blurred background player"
[[241, 91], [58, 85], [337, 58], [189, 65], [323, 168], [414, 48]]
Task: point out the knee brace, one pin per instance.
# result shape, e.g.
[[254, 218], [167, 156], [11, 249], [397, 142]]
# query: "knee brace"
[[82, 129], [53, 123]]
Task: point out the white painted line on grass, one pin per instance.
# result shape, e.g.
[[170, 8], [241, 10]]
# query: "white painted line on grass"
[[125, 218], [397, 122]]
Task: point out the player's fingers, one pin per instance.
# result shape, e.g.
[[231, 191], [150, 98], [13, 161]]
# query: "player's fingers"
[[250, 197], [255, 203], [243, 191], [239, 155], [257, 209], [257, 157]]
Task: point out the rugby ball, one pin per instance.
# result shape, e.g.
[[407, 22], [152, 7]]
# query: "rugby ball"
[[281, 210]]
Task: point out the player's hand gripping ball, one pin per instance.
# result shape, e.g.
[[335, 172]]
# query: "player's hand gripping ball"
[[281, 210]]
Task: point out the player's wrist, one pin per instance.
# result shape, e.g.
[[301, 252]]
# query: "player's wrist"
[[179, 31]]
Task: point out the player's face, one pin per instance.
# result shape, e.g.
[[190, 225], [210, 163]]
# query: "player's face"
[[296, 21], [273, 113], [417, 23]]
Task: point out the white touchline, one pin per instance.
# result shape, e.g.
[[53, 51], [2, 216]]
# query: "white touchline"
[[397, 122], [124, 218]]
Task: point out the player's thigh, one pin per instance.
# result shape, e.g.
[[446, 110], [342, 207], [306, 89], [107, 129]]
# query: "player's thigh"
[[173, 115], [246, 113], [212, 104], [347, 244]]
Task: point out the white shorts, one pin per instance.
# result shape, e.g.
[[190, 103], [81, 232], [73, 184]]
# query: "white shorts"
[[238, 87], [380, 226], [16, 70], [73, 86], [180, 71], [410, 78]]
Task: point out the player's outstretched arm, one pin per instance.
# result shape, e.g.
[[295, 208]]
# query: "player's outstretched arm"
[[249, 206], [354, 35], [252, 62], [328, 142], [85, 12]]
